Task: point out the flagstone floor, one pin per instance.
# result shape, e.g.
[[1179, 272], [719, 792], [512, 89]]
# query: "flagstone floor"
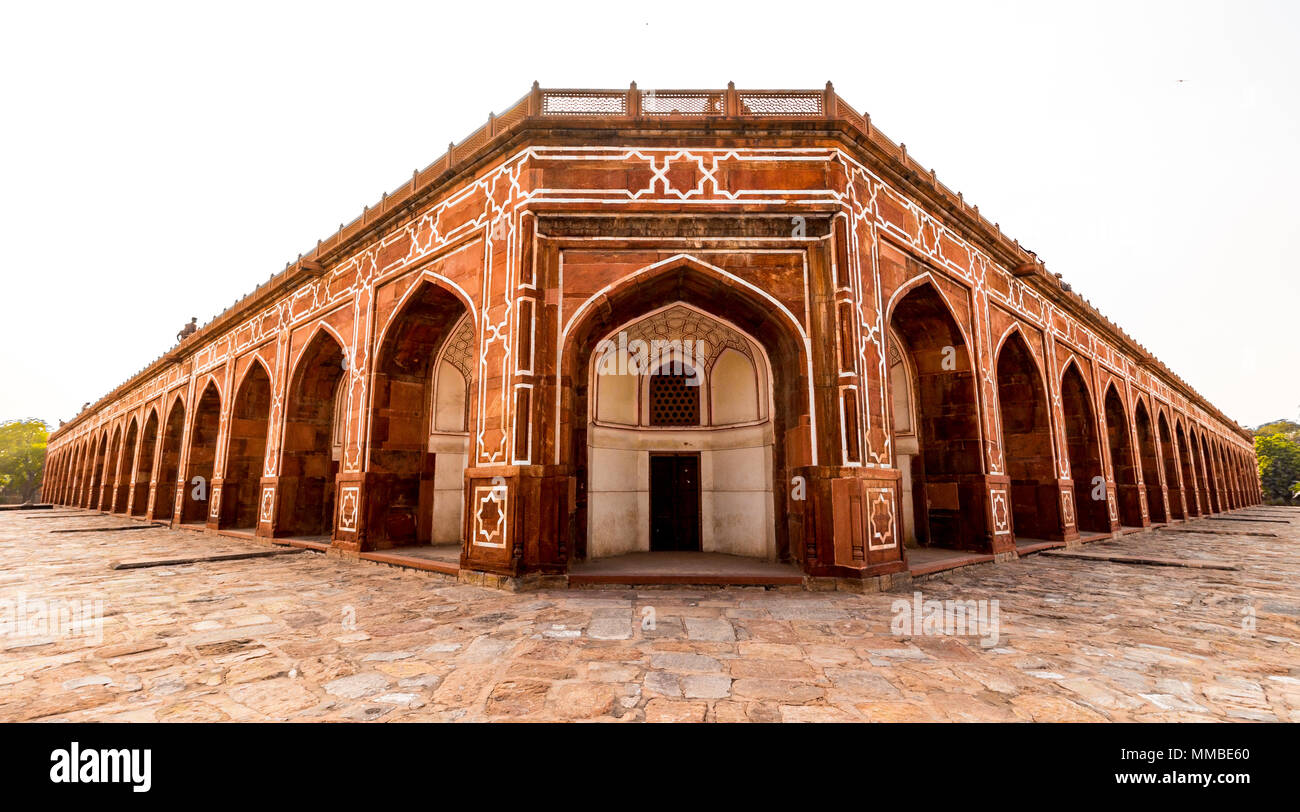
[[311, 637]]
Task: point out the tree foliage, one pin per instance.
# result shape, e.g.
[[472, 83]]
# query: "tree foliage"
[[1277, 448], [22, 459], [1278, 427]]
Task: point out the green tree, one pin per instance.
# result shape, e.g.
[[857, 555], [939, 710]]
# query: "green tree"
[[1288, 427], [1279, 466], [1279, 426], [22, 459]]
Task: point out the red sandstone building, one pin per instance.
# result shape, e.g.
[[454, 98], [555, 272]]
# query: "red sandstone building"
[[849, 368]]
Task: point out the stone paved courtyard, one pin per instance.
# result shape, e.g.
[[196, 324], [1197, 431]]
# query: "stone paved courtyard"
[[312, 637]]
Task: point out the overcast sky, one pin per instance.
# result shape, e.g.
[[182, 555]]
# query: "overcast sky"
[[159, 161]]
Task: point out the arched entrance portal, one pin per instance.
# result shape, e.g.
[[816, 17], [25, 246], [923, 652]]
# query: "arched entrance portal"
[[312, 440], [679, 439], [79, 479], [1233, 463], [1221, 476], [169, 464], [126, 468], [406, 475], [1177, 500], [241, 482], [202, 457], [1230, 475], [1191, 494], [1084, 451], [1150, 463], [93, 494], [144, 471], [1122, 460], [764, 336], [1198, 467], [945, 474], [1027, 443], [112, 470], [78, 470]]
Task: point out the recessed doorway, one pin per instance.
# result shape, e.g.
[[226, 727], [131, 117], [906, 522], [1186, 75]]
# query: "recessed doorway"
[[674, 502]]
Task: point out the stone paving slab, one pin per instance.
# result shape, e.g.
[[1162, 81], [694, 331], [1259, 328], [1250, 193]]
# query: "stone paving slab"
[[198, 559], [1146, 560], [314, 637]]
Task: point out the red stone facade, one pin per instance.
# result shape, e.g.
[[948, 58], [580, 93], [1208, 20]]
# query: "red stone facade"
[[305, 409]]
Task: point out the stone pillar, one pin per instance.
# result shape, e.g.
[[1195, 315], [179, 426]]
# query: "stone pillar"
[[1069, 512], [213, 520], [512, 520], [998, 518], [268, 505], [350, 508], [849, 522]]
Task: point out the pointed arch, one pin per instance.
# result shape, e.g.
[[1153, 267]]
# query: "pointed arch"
[[949, 466], [1122, 459], [1191, 487], [76, 486], [1243, 486], [245, 460], [255, 361], [1220, 477], [126, 466], [1027, 446], [1228, 474], [69, 455], [95, 493], [57, 484], [1149, 456], [689, 280], [169, 461], [74, 474], [204, 429], [1173, 481], [1083, 449], [400, 462], [309, 459], [74, 480], [1221, 472], [798, 440], [88, 473], [144, 471], [419, 288], [65, 479], [926, 279], [1198, 468], [1207, 466]]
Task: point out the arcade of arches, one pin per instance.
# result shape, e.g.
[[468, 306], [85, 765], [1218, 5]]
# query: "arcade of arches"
[[497, 375]]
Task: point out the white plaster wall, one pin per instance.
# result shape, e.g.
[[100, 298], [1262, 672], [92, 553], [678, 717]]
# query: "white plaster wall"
[[906, 445], [736, 508], [449, 442], [617, 395], [736, 485], [907, 449], [734, 387], [449, 405], [451, 453]]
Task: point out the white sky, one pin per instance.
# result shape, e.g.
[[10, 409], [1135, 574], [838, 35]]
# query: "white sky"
[[157, 161]]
